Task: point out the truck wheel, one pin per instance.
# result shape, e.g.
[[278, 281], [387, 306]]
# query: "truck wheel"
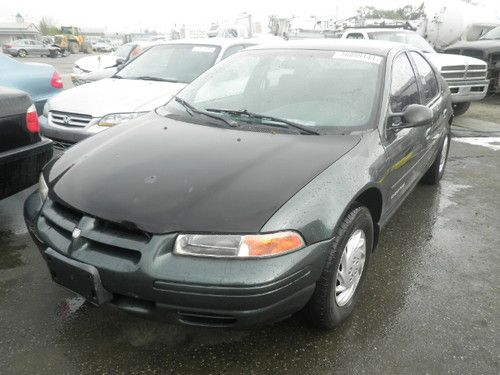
[[74, 48], [22, 53], [337, 289], [436, 170], [460, 108]]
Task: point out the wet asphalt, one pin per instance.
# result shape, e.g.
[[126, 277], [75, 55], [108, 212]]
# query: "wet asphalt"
[[431, 302]]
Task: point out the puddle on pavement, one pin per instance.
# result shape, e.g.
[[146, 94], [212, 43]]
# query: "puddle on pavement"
[[492, 143], [10, 250], [448, 191]]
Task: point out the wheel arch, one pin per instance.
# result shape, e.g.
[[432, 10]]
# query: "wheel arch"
[[372, 199]]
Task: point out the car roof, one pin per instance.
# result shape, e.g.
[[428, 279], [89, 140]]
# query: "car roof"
[[221, 42], [375, 47]]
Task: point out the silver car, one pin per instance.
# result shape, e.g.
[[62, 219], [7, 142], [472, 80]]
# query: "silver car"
[[25, 47], [142, 85]]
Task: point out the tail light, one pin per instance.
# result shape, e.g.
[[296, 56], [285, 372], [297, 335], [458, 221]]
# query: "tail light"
[[56, 81], [32, 120], [7, 46]]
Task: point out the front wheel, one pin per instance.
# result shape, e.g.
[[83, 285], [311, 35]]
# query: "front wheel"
[[460, 108], [436, 170], [337, 290]]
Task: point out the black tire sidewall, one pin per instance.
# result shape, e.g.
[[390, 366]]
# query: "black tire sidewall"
[[363, 221], [22, 53]]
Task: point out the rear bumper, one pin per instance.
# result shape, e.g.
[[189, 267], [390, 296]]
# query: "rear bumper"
[[158, 284], [20, 168], [468, 91]]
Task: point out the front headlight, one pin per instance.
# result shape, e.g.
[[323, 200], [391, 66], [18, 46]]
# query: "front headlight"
[[115, 118], [78, 70], [46, 109], [238, 246], [43, 189]]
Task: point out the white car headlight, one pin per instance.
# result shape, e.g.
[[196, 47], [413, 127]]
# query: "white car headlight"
[[78, 70], [115, 118], [46, 108], [43, 189], [238, 246]]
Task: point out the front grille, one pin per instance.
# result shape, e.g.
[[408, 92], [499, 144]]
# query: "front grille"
[[453, 73], [97, 239], [69, 119]]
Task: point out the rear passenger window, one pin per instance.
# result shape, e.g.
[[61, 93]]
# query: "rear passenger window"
[[232, 50], [426, 76], [404, 89]]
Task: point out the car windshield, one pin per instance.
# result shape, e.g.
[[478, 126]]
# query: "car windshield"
[[172, 62], [313, 88], [492, 34], [124, 50], [410, 38]]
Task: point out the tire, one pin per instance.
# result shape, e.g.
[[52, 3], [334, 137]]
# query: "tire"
[[326, 309], [460, 108], [22, 53], [436, 170], [74, 48]]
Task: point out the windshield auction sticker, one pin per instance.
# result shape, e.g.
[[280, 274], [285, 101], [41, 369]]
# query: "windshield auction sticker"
[[203, 49], [366, 57]]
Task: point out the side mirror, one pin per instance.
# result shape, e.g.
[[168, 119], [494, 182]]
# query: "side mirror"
[[120, 61], [413, 116]]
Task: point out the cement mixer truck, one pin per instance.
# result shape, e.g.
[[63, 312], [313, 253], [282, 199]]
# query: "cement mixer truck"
[[450, 21]]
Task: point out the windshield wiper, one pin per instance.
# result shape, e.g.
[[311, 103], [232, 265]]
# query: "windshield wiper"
[[244, 112], [151, 78], [191, 110]]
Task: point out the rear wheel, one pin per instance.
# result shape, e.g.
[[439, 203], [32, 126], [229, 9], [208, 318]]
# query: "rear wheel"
[[436, 170], [337, 290], [460, 108], [22, 53]]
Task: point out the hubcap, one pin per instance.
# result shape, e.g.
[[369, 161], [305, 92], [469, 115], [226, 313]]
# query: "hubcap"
[[350, 268], [444, 153]]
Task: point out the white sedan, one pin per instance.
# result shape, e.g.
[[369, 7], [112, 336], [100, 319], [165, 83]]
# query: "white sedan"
[[140, 86]]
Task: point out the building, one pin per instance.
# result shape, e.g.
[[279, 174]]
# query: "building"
[[10, 31]]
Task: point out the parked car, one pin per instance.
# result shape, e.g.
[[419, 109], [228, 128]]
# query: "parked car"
[[143, 84], [466, 76], [29, 47], [102, 47], [259, 190], [487, 48], [23, 152], [41, 81], [104, 66]]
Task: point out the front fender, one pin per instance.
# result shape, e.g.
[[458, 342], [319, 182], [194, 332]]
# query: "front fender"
[[317, 208]]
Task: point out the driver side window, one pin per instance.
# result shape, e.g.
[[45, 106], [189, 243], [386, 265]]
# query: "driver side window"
[[404, 89]]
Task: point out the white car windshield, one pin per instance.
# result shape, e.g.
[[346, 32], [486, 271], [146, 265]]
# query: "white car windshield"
[[492, 34], [171, 62], [410, 38], [316, 88], [124, 50]]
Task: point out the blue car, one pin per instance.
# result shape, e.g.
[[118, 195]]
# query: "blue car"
[[40, 81]]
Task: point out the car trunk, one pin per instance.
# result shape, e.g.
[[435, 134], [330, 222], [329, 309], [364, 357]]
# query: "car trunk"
[[13, 129]]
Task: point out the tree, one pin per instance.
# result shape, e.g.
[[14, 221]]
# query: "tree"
[[47, 27], [406, 13]]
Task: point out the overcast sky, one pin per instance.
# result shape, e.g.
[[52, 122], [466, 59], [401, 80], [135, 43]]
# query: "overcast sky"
[[129, 16]]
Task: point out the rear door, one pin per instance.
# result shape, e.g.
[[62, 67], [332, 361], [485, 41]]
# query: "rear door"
[[432, 97], [403, 147]]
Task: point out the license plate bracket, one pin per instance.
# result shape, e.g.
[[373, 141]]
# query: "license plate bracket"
[[80, 278]]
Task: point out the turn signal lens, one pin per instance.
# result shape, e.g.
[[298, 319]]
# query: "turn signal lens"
[[271, 244], [56, 81], [32, 120], [237, 246]]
